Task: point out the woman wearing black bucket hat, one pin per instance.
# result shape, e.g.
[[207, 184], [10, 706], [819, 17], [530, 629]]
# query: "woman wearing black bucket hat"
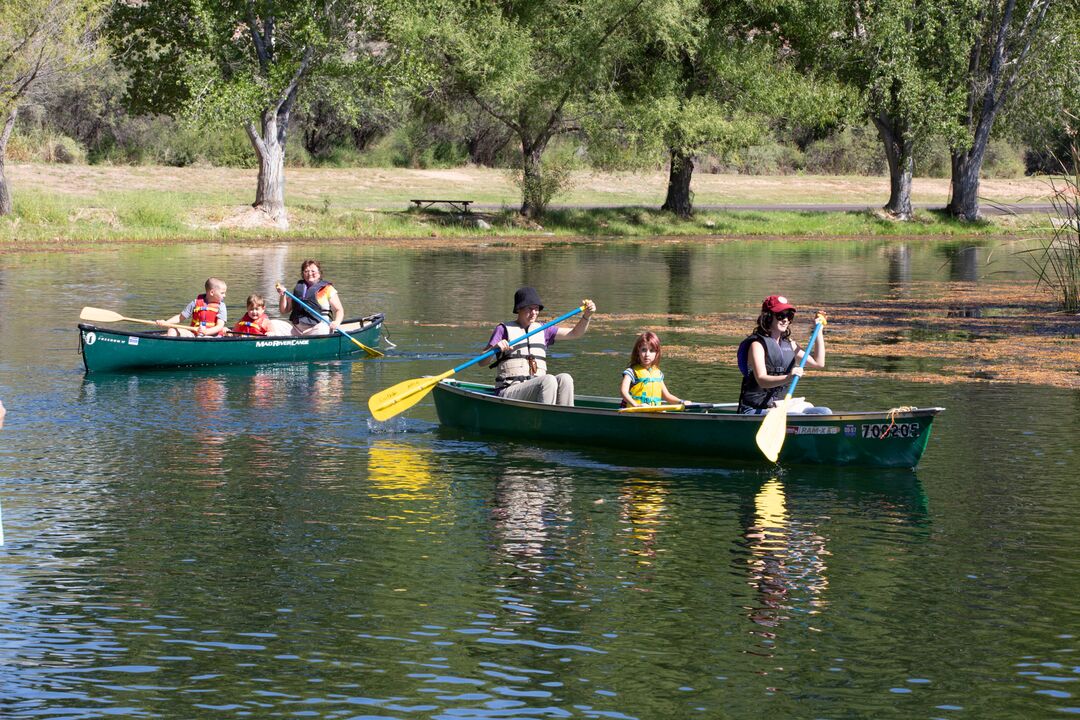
[[522, 368]]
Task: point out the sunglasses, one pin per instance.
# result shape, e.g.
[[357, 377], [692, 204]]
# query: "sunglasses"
[[788, 315]]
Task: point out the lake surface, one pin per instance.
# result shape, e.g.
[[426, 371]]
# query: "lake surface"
[[248, 543]]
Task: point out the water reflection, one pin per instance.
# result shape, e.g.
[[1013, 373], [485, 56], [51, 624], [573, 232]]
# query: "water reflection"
[[643, 505], [787, 565]]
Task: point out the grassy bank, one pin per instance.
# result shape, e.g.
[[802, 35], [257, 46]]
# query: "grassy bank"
[[62, 204]]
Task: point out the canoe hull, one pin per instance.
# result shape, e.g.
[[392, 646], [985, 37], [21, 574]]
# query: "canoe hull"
[[869, 439], [106, 350]]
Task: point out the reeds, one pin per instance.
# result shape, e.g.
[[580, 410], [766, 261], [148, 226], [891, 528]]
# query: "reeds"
[[1056, 261]]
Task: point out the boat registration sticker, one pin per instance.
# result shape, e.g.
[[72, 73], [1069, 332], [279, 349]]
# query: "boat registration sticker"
[[813, 430], [880, 431], [132, 340], [89, 338]]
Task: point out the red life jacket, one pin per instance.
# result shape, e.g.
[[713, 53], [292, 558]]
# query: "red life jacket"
[[204, 314], [248, 326]]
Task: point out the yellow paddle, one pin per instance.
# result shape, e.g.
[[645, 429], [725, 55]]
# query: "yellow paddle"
[[387, 403], [108, 316], [674, 408], [770, 436], [371, 352]]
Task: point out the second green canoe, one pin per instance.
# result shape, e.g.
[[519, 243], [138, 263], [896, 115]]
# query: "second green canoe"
[[106, 350]]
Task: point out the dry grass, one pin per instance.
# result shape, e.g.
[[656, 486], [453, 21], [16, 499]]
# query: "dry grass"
[[381, 188]]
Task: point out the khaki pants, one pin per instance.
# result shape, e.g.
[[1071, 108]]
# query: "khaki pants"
[[547, 389]]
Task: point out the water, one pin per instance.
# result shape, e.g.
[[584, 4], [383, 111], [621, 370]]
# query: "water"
[[246, 542]]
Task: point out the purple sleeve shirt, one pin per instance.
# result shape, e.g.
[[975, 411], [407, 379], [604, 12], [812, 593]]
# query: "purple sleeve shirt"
[[500, 334]]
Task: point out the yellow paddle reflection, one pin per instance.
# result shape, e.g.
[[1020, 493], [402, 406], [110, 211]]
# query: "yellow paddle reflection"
[[787, 561], [400, 471]]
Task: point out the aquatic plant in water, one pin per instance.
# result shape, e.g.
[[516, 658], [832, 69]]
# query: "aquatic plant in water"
[[1056, 261]]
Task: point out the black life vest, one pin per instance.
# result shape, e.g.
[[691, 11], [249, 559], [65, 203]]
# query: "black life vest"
[[310, 297], [779, 359]]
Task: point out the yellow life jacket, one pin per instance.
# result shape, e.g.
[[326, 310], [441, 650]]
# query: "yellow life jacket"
[[645, 384]]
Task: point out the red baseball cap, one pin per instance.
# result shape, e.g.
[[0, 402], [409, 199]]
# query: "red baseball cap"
[[776, 303]]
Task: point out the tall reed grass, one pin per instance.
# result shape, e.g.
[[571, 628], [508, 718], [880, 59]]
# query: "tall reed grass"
[[1056, 259]]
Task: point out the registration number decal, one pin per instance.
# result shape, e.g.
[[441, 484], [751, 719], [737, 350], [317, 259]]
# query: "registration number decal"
[[880, 431], [812, 430]]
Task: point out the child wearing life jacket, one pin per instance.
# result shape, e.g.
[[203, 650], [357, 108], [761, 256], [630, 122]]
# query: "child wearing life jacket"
[[206, 313], [642, 382], [254, 321]]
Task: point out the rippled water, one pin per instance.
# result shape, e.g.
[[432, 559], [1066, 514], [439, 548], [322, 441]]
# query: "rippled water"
[[249, 543]]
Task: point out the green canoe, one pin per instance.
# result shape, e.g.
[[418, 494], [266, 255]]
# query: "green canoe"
[[106, 350], [871, 439]]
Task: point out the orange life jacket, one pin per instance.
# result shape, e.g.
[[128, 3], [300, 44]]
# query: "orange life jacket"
[[204, 314], [248, 326]]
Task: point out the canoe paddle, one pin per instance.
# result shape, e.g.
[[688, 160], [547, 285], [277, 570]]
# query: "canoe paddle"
[[108, 316], [387, 403], [675, 408], [770, 436], [371, 352]]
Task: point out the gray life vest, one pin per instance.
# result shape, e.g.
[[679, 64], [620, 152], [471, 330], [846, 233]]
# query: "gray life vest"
[[523, 361], [779, 359]]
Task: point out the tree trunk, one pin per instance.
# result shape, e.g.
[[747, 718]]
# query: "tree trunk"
[[5, 135], [532, 180], [679, 199], [269, 147], [966, 167], [899, 154]]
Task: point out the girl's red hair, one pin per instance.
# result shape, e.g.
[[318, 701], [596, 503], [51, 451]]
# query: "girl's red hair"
[[649, 339]]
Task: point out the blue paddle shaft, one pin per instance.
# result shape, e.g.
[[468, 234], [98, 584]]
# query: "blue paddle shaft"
[[543, 327], [307, 307], [806, 354]]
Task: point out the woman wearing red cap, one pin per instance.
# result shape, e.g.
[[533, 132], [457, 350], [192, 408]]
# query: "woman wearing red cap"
[[769, 360], [522, 368]]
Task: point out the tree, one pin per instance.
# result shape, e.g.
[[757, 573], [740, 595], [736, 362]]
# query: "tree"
[[898, 55], [40, 40], [709, 81], [247, 61], [1007, 34], [534, 66]]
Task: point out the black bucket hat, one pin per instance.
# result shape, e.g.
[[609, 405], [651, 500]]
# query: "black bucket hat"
[[526, 296]]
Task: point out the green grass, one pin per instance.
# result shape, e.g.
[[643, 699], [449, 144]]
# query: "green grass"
[[44, 218]]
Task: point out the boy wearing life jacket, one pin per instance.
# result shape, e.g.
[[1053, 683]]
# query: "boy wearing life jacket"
[[521, 369], [206, 314], [254, 321]]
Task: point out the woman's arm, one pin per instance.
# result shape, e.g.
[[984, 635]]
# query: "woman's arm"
[[284, 304], [763, 378], [582, 324], [338, 311]]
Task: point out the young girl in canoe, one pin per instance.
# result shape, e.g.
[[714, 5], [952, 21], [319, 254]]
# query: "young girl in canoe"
[[769, 360], [254, 321], [643, 382]]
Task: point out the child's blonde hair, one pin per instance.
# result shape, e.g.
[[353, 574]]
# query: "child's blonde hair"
[[213, 282], [255, 300], [647, 338]]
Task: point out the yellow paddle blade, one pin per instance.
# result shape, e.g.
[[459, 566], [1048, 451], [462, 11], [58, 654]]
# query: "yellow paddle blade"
[[773, 430], [650, 408], [371, 352], [387, 403], [98, 315]]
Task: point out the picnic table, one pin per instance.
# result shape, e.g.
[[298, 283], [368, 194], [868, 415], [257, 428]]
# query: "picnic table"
[[458, 205]]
